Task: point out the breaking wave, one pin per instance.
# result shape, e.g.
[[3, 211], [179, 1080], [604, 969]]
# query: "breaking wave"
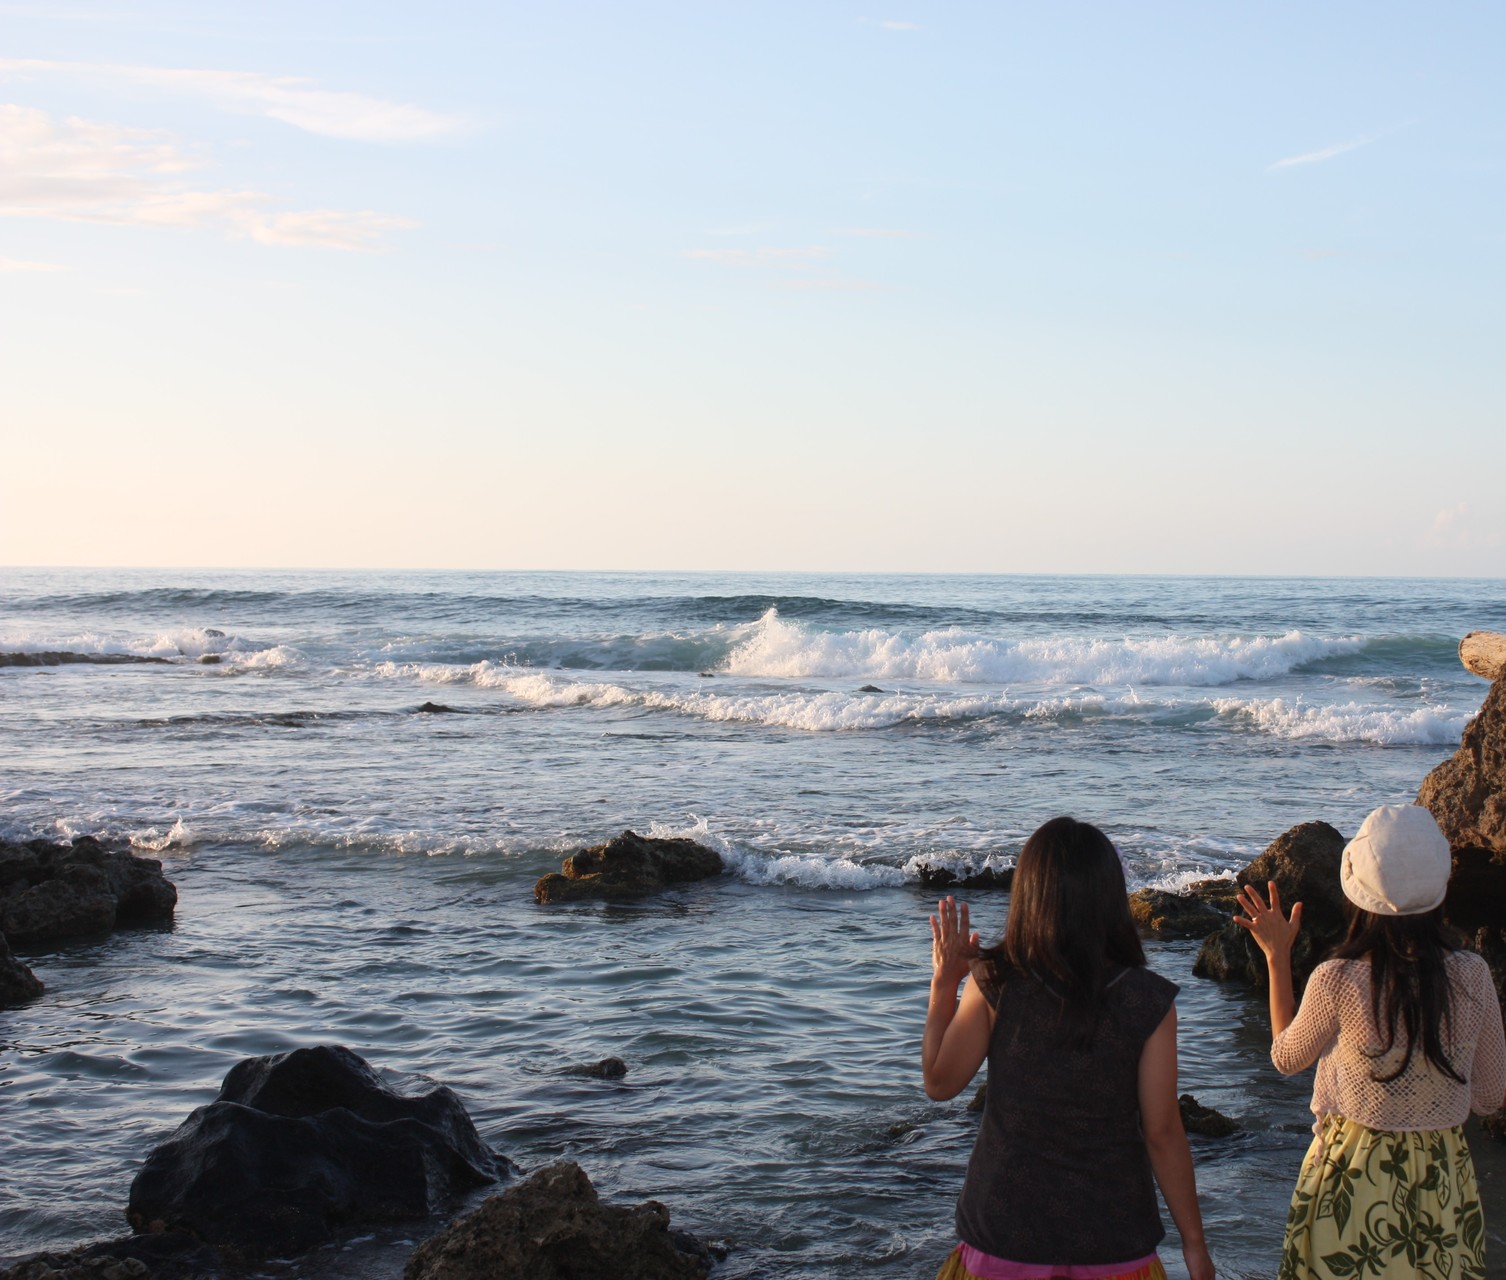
[[1347, 722], [777, 648]]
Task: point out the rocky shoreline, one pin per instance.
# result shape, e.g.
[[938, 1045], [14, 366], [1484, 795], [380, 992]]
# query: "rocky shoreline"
[[312, 1145]]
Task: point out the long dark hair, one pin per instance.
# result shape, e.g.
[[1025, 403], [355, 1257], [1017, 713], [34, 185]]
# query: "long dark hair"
[[1069, 924], [1409, 988]]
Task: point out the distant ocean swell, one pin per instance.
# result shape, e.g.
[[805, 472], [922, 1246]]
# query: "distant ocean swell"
[[774, 646]]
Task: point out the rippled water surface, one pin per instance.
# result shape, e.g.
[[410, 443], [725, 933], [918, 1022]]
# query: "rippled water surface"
[[352, 869]]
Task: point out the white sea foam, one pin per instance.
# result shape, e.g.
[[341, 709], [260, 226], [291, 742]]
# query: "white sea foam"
[[777, 648], [812, 871], [1346, 722], [179, 836], [810, 710], [191, 643]]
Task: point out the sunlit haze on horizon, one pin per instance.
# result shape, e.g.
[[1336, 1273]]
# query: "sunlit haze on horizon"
[[1163, 288]]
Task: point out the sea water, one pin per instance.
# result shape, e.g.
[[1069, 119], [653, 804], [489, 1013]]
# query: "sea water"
[[353, 869]]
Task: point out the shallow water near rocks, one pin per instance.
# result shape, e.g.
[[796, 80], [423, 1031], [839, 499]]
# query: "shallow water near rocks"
[[353, 871], [771, 1098]]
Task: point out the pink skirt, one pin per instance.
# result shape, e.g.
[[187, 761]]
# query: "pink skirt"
[[966, 1263]]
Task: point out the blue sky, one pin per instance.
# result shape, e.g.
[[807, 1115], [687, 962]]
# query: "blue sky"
[[967, 287]]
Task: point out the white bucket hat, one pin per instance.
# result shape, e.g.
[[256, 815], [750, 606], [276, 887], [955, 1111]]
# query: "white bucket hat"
[[1398, 863]]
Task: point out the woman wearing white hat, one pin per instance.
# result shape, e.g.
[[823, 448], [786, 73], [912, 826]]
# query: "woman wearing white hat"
[[1406, 1031]]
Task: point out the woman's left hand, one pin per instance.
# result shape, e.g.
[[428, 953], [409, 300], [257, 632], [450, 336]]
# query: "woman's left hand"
[[953, 947]]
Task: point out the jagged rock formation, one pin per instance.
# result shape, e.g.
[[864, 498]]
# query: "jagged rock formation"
[[554, 1227], [1467, 795], [53, 891]]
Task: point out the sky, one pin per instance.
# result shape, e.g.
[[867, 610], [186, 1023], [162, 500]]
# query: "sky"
[[967, 287]]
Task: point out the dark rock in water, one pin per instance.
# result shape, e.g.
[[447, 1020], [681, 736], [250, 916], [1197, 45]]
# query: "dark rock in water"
[[554, 1227], [438, 708], [1190, 914], [168, 1256], [706, 675], [1304, 863], [209, 659], [303, 1144], [18, 984], [1205, 1121], [979, 1099], [628, 866], [936, 877], [869, 688], [50, 891], [606, 1069]]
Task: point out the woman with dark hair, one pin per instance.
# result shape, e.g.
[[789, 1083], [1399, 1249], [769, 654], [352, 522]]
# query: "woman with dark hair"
[[1081, 1043], [1406, 1032]]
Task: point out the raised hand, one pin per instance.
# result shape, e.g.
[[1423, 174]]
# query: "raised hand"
[[953, 946], [1273, 932]]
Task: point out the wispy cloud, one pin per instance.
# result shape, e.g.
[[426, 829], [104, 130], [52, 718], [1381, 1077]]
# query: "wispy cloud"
[[18, 264], [293, 100], [83, 171], [1457, 528], [881, 233], [890, 24], [764, 257], [1324, 153]]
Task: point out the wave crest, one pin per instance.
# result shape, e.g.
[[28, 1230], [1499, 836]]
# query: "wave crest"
[[792, 650]]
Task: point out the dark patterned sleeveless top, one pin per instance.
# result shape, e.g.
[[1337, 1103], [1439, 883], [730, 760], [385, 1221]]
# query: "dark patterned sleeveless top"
[[1059, 1173]]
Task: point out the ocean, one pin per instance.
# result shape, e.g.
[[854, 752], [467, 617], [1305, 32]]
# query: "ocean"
[[354, 870]]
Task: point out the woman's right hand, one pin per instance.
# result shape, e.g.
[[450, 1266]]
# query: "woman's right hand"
[[1273, 932], [953, 947], [1199, 1261]]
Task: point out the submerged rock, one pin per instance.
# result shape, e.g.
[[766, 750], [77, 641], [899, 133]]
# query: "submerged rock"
[[301, 1145], [933, 876], [628, 866], [51, 891], [1194, 913], [554, 1227], [606, 1069], [18, 984], [437, 708], [169, 1256], [1304, 863], [1205, 1121]]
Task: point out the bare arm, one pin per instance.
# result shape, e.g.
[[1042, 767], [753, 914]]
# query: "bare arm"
[[1166, 1144], [956, 1036], [1274, 934]]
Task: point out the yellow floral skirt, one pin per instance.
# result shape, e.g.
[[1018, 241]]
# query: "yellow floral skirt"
[[1373, 1203]]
